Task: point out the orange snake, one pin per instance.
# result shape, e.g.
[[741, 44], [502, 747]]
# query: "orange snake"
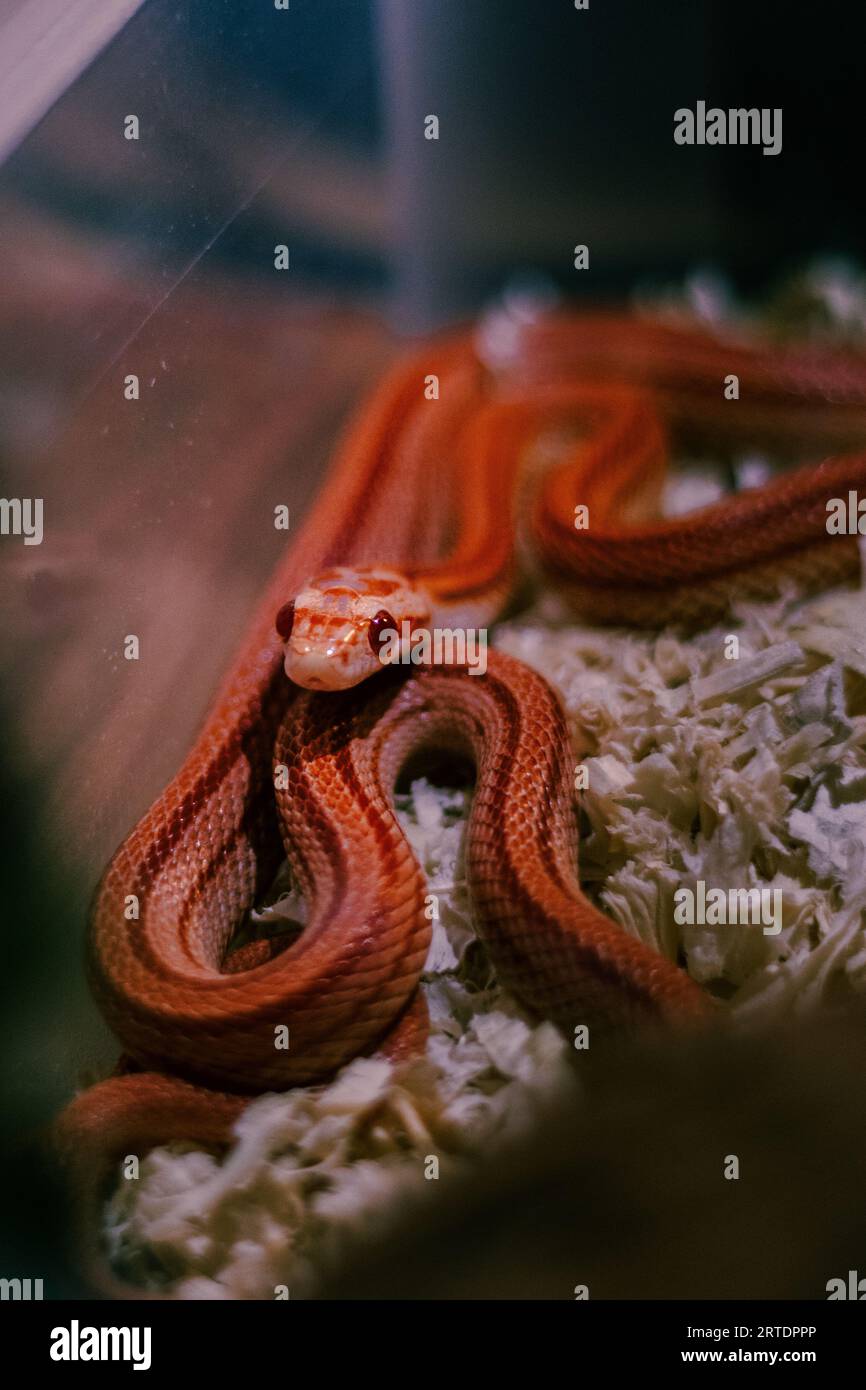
[[432, 486]]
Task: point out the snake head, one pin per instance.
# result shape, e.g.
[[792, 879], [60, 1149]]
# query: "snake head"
[[339, 629]]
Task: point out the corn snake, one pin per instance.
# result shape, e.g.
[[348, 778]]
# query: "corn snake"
[[430, 488]]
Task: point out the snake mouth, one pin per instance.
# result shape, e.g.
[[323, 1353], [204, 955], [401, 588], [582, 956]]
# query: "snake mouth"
[[315, 683], [325, 674]]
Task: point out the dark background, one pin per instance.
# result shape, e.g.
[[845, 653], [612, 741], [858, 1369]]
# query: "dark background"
[[556, 128]]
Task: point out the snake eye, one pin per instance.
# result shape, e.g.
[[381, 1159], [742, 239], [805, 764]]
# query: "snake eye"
[[381, 627], [285, 619]]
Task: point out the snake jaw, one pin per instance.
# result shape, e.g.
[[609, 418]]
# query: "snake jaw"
[[332, 669]]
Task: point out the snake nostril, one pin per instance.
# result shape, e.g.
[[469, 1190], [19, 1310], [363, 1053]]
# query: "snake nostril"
[[285, 619], [381, 627]]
